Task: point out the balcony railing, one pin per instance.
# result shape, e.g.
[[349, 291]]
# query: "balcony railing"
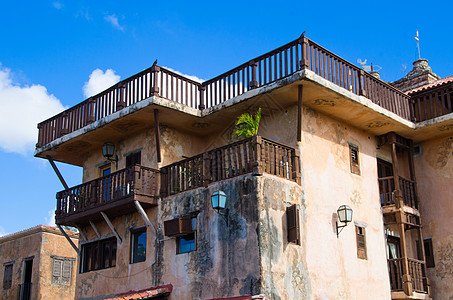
[[252, 154], [416, 268], [433, 103], [270, 67], [118, 188], [387, 187]]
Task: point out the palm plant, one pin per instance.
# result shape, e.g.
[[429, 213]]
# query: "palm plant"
[[247, 125]]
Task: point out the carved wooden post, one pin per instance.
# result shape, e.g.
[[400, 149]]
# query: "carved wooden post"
[[163, 182], [58, 210], [64, 124], [253, 82], [121, 103], [295, 159], [40, 136], [257, 143], [137, 185], [361, 75], [206, 169], [305, 60], [155, 89], [94, 193], [202, 104]]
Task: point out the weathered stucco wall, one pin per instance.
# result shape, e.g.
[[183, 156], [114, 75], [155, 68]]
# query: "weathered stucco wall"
[[333, 266], [434, 171], [41, 245]]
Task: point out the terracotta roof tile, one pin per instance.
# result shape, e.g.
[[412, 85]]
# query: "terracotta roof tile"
[[436, 83], [143, 294]]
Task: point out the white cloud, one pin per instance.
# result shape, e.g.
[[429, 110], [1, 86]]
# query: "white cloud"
[[58, 5], [99, 81], [193, 77], [22, 108], [113, 20], [50, 219], [2, 231]]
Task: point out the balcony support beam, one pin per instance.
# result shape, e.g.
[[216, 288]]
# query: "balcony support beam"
[[144, 216], [68, 238], [54, 166], [157, 132], [95, 229], [84, 237], [112, 228]]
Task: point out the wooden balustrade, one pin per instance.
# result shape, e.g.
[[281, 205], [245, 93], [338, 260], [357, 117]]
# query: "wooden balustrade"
[[387, 187], [416, 268], [432, 103], [129, 182], [270, 67], [252, 154]]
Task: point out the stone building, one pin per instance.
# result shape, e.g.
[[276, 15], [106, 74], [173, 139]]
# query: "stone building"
[[158, 151], [38, 263]]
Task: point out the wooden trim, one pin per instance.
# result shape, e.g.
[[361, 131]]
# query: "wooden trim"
[[112, 228], [299, 112], [157, 133], [68, 239], [54, 167]]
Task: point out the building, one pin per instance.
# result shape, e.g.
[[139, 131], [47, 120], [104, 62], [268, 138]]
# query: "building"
[[157, 148], [38, 263]]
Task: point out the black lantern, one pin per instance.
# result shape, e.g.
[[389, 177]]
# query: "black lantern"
[[345, 216], [108, 150], [218, 200]]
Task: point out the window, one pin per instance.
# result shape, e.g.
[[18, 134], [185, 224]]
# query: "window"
[[98, 255], [186, 243], [8, 276], [292, 224], [429, 253], [62, 271], [361, 242], [354, 158], [134, 159], [138, 245]]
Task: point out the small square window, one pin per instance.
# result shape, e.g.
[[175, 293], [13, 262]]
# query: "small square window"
[[361, 242], [62, 271], [138, 245], [354, 159], [186, 243]]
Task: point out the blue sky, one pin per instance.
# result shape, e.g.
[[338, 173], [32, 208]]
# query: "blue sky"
[[53, 54]]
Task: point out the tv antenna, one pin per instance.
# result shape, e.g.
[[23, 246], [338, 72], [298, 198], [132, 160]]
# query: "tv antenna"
[[417, 38], [369, 68]]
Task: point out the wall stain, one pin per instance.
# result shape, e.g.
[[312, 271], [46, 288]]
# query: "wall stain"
[[444, 262]]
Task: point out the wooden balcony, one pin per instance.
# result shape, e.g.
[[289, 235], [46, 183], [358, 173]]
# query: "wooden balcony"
[[113, 194], [297, 55], [255, 154], [387, 187], [416, 268]]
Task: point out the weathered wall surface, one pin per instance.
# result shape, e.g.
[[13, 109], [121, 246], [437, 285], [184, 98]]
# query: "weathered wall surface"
[[434, 170], [334, 269], [226, 262], [41, 245]]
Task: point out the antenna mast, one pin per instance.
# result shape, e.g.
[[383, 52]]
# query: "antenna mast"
[[418, 44]]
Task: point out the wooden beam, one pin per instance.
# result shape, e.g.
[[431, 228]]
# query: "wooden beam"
[[95, 229], [54, 166], [142, 213], [68, 238], [299, 112], [157, 131], [84, 237], [112, 228]]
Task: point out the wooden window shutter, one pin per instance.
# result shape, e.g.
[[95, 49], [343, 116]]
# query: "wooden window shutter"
[[178, 226], [56, 272], [354, 159], [361, 242], [67, 272], [292, 223]]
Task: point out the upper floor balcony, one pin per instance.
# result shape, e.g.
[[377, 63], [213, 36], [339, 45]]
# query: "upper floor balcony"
[[282, 68]]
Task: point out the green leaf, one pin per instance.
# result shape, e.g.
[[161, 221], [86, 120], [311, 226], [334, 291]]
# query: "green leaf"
[[247, 125]]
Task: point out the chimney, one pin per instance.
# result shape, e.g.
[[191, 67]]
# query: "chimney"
[[420, 75]]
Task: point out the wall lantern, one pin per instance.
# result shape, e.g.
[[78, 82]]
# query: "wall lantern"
[[218, 200], [108, 150], [345, 216]]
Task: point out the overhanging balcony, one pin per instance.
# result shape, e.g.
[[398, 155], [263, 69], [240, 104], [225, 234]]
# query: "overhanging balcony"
[[113, 194], [416, 271], [387, 188]]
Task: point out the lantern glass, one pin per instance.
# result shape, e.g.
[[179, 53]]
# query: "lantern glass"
[[344, 214], [218, 200], [108, 149]]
